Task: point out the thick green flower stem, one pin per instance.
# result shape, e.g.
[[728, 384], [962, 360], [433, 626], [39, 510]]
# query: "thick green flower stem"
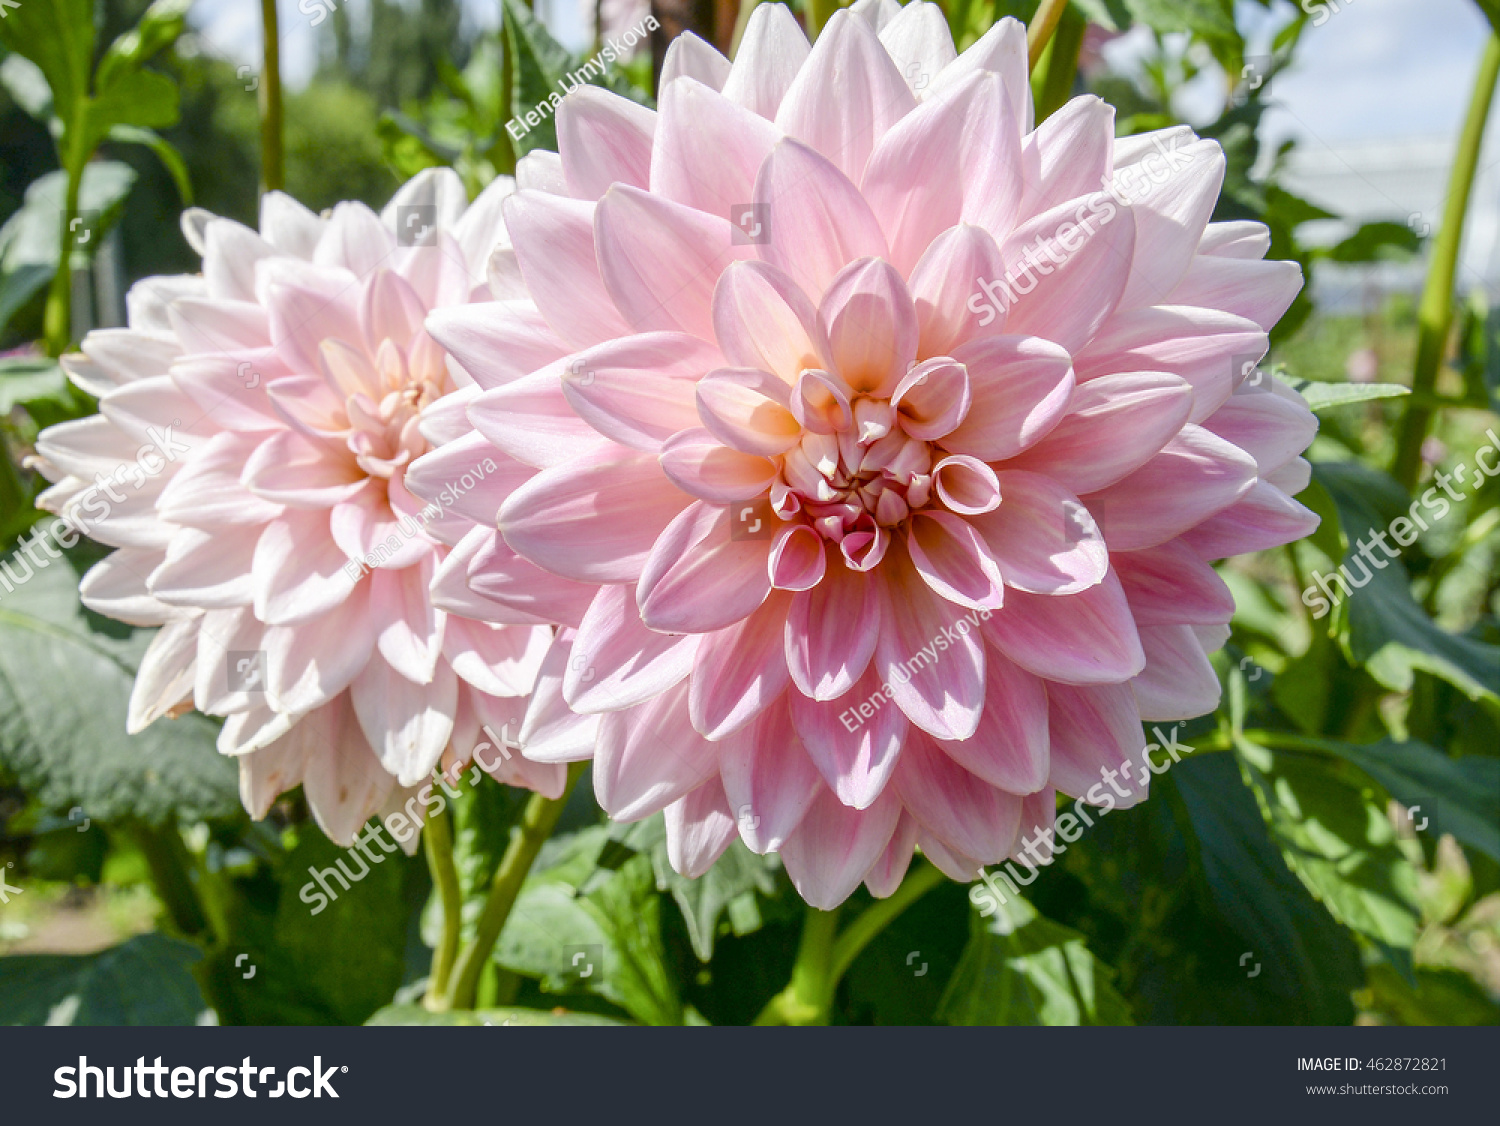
[[437, 843], [170, 867], [1053, 81], [1039, 31], [1435, 314], [272, 162], [57, 314], [537, 823], [824, 956]]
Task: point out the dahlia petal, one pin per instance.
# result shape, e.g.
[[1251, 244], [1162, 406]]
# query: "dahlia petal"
[[927, 655], [439, 188], [206, 491], [746, 409], [699, 464], [499, 662], [1170, 585], [763, 321], [1196, 475], [532, 421], [855, 752], [409, 630], [407, 724], [689, 56], [965, 812], [356, 240], [307, 305], [769, 781], [660, 260], [1238, 239], [954, 865], [515, 590], [206, 570], [288, 226], [1171, 209], [698, 577], [1096, 732], [1114, 425], [1178, 681], [649, 756], [966, 485], [871, 326], [1269, 428], [955, 561], [919, 41], [798, 558], [1043, 539], [496, 342], [708, 148], [541, 171], [1009, 748], [1076, 295], [118, 586], [165, 677], [738, 671], [1083, 638], [1020, 388], [603, 139], [298, 569], [554, 242], [221, 633], [819, 221], [1263, 518], [231, 389], [885, 877], [834, 847], [551, 731], [1068, 155], [480, 230], [1000, 50], [308, 665], [268, 773], [230, 252], [949, 312], [594, 519], [826, 663], [1258, 291], [638, 391], [699, 829], [770, 55], [291, 469], [344, 781], [616, 662], [466, 477], [1292, 477], [932, 399], [253, 729]]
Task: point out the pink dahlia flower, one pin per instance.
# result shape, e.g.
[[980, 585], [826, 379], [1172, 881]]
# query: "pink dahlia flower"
[[881, 444], [255, 427]]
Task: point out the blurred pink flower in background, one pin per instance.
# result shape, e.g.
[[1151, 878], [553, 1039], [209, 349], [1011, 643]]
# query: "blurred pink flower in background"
[[256, 425], [873, 455]]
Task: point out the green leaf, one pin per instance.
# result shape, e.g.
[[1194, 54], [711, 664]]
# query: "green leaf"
[[319, 956], [144, 981], [29, 379], [513, 1017], [1333, 830], [1212, 19], [57, 35], [160, 27], [1302, 954], [1112, 15], [1020, 968], [31, 238], [1323, 396], [54, 655], [540, 63], [170, 158], [1387, 631], [606, 941], [1460, 796], [1376, 242], [141, 98]]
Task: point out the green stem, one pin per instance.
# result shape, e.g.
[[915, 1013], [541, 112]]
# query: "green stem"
[[877, 917], [1043, 24], [57, 316], [537, 823], [1059, 67], [809, 994], [272, 160], [167, 859], [437, 843], [1435, 315]]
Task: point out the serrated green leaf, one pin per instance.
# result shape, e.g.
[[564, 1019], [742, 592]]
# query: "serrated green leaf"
[[500, 1018], [57, 35], [1020, 968], [540, 63], [145, 980], [1376, 242], [65, 681], [1212, 19]]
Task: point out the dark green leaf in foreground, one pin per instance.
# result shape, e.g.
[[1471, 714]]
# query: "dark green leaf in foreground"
[[145, 980]]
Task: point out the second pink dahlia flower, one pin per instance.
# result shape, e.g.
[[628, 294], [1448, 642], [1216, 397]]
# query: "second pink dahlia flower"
[[873, 444], [255, 428]]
